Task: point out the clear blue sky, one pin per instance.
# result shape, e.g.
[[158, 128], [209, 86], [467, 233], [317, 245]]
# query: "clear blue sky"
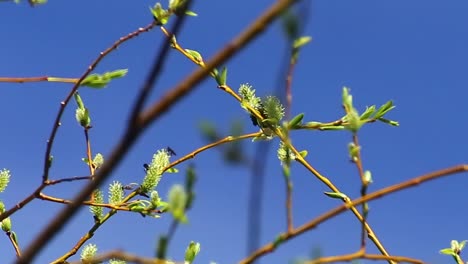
[[412, 52]]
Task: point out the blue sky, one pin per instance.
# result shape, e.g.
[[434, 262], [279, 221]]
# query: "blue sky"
[[412, 52]]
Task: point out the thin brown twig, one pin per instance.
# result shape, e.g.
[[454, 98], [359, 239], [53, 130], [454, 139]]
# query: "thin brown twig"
[[61, 219], [75, 87], [91, 232], [120, 255], [188, 85], [14, 243], [144, 119], [38, 79], [356, 159], [118, 207], [227, 139], [45, 177], [361, 254], [71, 179], [284, 237]]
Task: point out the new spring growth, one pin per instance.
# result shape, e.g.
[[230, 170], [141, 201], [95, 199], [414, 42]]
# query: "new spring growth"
[[192, 251], [88, 252], [178, 202], [102, 80], [97, 211], [270, 109], [352, 115], [155, 170], [284, 154], [4, 179], [455, 250], [116, 192], [82, 113]]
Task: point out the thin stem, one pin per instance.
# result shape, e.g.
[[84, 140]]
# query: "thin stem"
[[289, 213], [130, 258], [60, 220], [38, 79], [14, 243], [364, 184], [91, 232], [284, 237], [362, 255], [227, 139]]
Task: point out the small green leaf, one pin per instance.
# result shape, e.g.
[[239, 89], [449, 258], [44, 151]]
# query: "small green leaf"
[[190, 13], [347, 98], [447, 251], [177, 203], [192, 251], [384, 109], [159, 14], [295, 121], [303, 153], [101, 80], [214, 73], [78, 100], [462, 244], [221, 78], [369, 111], [195, 55], [299, 42], [336, 195], [172, 170], [390, 122]]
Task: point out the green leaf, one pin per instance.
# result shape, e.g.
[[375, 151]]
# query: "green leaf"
[[78, 100], [336, 195], [295, 121], [101, 80], [190, 13], [160, 14], [390, 122], [462, 244], [195, 55], [447, 251], [172, 170], [299, 42], [221, 78], [214, 73], [384, 109], [303, 153], [369, 111], [347, 98], [192, 251], [177, 203]]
